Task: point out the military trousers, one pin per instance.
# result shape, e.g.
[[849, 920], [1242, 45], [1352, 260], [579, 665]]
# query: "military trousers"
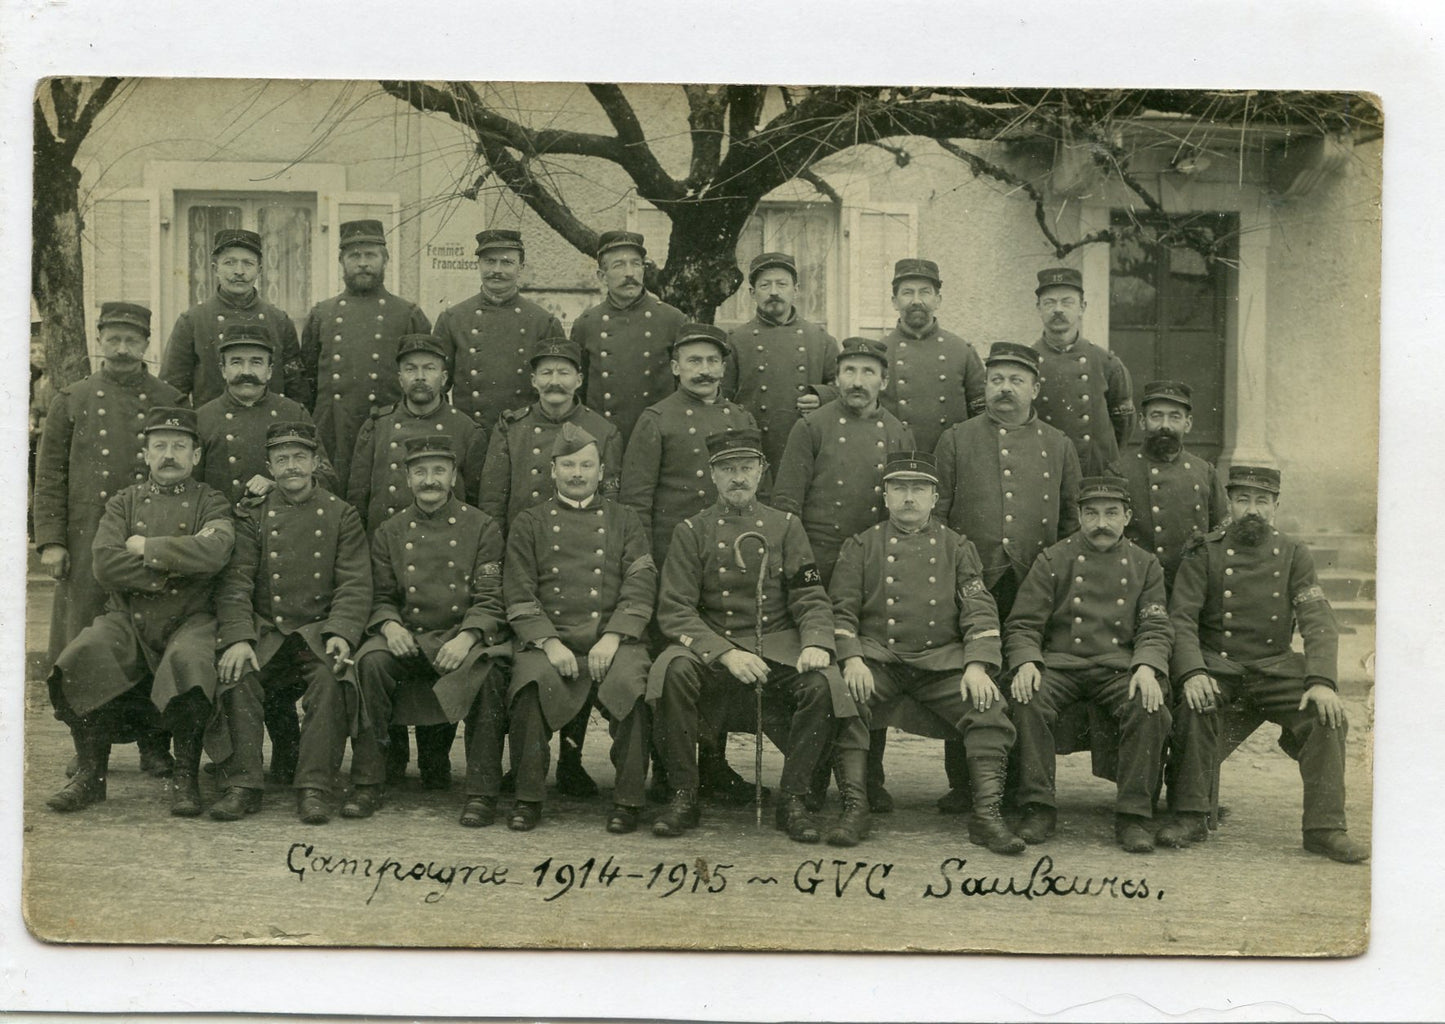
[[955, 758], [294, 670], [706, 698], [380, 673], [531, 739], [982, 733], [1243, 705], [1142, 735]]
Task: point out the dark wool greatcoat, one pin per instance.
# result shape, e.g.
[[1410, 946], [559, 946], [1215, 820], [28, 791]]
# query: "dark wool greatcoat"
[[193, 366], [377, 485], [492, 347], [518, 471], [233, 442], [773, 363], [1086, 392], [935, 379], [625, 351], [1174, 502]]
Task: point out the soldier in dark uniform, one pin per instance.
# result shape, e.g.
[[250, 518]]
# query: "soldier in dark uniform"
[[348, 343], [492, 333], [92, 447], [831, 475], [707, 610], [1083, 390], [1090, 623], [1176, 493], [1009, 483], [291, 608], [580, 586], [151, 655], [937, 377], [782, 366], [625, 337], [915, 622], [191, 364], [438, 648], [1238, 598]]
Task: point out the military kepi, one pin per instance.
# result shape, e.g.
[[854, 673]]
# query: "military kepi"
[[1060, 277], [498, 238], [915, 465], [926, 269], [358, 232], [768, 260], [1104, 487], [702, 332], [556, 346], [1010, 352], [1262, 477], [228, 237], [735, 444], [572, 438], [171, 417], [430, 446], [610, 240], [870, 347], [245, 334], [1169, 391], [409, 343], [293, 432], [128, 313]]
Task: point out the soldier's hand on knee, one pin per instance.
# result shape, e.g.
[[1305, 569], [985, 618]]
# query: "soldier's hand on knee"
[[599, 658], [1146, 684], [399, 640], [976, 688], [859, 679], [1027, 681], [236, 661], [1201, 693], [55, 559], [1328, 706], [339, 651], [562, 659], [745, 668], [813, 659], [455, 651]]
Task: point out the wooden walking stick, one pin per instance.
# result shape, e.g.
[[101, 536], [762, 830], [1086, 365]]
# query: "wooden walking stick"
[[758, 650]]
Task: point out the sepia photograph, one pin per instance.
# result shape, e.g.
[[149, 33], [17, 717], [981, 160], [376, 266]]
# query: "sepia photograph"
[[706, 517]]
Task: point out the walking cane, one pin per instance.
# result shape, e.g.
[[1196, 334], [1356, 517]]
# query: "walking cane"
[[758, 650]]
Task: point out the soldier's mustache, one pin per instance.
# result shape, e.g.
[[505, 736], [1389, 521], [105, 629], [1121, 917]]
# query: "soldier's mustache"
[[706, 378], [554, 389], [248, 378]]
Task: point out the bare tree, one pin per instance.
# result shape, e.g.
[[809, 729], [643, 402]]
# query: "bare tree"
[[737, 157]]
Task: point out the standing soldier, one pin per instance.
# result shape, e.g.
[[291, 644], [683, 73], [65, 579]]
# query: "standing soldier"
[[1009, 483], [1083, 390], [291, 608], [348, 343], [832, 470], [1176, 493], [1090, 624], [91, 448], [157, 551], [437, 624], [707, 610], [937, 377], [1238, 598], [191, 364], [492, 333], [914, 619], [782, 366], [625, 337], [580, 584]]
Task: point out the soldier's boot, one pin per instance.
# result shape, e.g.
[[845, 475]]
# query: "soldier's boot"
[[87, 785], [155, 753], [794, 818], [718, 780], [852, 772], [818, 785], [572, 778], [681, 814], [1133, 833], [1185, 829], [1336, 844], [1038, 823], [312, 807], [986, 826], [365, 800], [185, 782], [236, 803], [880, 801]]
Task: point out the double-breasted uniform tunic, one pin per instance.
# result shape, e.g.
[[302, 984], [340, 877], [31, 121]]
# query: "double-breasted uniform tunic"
[[1087, 393], [492, 344], [376, 485], [935, 379], [625, 351], [233, 441], [91, 448], [831, 474], [1011, 490], [518, 470], [665, 472], [574, 574], [348, 352], [1175, 500], [774, 362], [193, 366], [159, 618]]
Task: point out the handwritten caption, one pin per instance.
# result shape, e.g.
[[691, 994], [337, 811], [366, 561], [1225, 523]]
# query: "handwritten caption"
[[554, 879]]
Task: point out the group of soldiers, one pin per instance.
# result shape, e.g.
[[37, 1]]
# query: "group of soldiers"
[[401, 524]]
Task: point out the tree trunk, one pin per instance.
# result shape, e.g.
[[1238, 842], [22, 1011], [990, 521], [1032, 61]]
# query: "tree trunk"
[[57, 275], [702, 265]]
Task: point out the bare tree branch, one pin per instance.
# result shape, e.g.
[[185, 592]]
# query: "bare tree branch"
[[812, 178], [637, 157], [706, 111]]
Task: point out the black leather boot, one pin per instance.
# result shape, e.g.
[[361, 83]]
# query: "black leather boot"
[[880, 801], [794, 818], [852, 772], [818, 784], [985, 824], [185, 785], [681, 814], [155, 753], [87, 785]]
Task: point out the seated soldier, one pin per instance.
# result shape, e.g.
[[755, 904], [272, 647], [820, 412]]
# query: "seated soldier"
[[1238, 598], [912, 613], [580, 585], [1090, 624], [156, 552], [438, 650]]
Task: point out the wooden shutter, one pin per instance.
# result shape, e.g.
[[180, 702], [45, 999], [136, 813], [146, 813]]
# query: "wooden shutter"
[[878, 235], [121, 257]]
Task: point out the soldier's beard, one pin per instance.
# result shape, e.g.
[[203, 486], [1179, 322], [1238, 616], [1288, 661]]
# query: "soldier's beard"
[[1251, 529], [362, 282], [1163, 443]]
